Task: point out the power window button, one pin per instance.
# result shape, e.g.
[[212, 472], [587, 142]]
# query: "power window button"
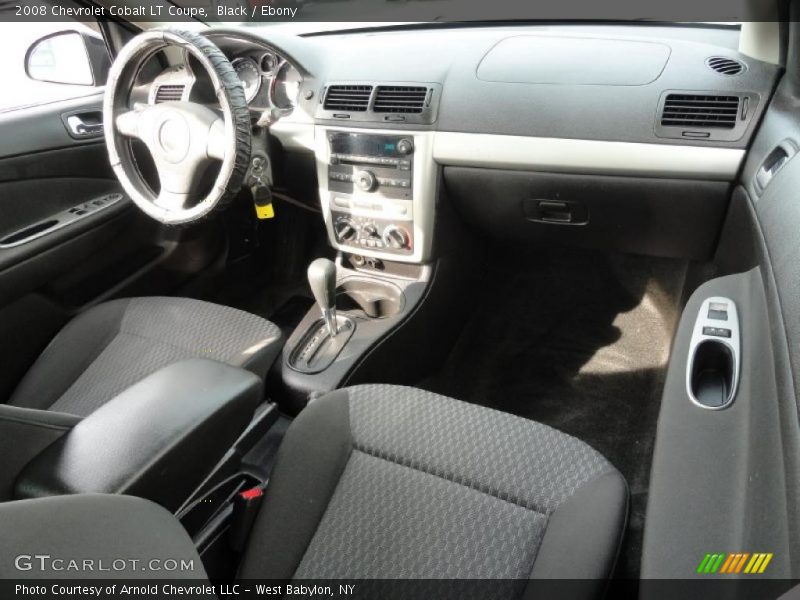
[[718, 311], [717, 331]]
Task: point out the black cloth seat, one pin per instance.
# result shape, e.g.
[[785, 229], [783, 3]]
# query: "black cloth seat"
[[108, 348], [384, 482]]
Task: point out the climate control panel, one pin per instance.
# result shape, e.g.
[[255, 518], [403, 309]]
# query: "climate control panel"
[[370, 233]]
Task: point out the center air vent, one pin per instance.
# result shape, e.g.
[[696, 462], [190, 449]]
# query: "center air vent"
[[388, 102], [700, 111], [399, 99], [169, 93], [724, 65], [348, 98]]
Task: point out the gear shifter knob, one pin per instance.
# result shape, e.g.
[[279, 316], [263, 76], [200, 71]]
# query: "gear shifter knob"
[[322, 279]]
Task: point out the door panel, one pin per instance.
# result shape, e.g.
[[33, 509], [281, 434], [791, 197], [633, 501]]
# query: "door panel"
[[730, 479], [35, 129], [93, 253], [42, 176]]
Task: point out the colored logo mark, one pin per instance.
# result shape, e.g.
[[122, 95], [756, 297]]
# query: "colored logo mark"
[[735, 562]]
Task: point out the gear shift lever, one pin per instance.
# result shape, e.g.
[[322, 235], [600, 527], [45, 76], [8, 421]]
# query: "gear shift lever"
[[322, 279]]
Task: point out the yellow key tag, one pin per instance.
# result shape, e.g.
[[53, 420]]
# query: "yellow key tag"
[[265, 211], [262, 199]]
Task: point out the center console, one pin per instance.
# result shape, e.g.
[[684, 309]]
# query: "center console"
[[378, 191], [376, 316], [158, 439], [356, 326]]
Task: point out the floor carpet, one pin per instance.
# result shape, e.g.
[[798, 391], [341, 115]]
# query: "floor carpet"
[[579, 341]]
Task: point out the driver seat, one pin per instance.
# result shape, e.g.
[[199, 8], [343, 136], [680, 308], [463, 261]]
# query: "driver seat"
[[108, 348]]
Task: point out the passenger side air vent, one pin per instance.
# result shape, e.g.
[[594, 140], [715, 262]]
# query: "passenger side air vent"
[[169, 93], [700, 111], [399, 99], [725, 65], [348, 98]]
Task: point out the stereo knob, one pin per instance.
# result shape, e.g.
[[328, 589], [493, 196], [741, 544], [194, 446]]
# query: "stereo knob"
[[395, 237], [345, 230], [365, 180], [405, 146]]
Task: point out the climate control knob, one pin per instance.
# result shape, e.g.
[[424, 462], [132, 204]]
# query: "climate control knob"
[[369, 231], [395, 237], [345, 230], [365, 180]]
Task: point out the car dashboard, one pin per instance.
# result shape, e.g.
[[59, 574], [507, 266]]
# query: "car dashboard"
[[386, 115]]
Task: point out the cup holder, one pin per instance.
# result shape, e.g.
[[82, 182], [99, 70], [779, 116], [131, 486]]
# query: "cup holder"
[[377, 299], [711, 379]]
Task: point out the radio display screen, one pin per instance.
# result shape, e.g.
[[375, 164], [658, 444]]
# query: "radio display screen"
[[361, 144]]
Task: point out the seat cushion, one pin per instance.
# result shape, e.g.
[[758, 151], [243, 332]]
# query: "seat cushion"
[[383, 482], [108, 348]]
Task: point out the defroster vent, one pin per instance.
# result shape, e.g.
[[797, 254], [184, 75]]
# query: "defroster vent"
[[725, 65]]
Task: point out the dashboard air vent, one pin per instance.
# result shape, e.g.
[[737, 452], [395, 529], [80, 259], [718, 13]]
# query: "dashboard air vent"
[[348, 98], [700, 111], [169, 93], [724, 65], [399, 99]]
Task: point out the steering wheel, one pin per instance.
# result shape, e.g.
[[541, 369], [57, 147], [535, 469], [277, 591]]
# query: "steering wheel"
[[183, 138]]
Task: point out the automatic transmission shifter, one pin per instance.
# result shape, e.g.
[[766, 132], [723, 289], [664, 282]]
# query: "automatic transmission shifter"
[[318, 344], [322, 279]]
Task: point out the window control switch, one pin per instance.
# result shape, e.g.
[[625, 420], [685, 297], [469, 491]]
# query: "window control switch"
[[718, 311], [717, 331]]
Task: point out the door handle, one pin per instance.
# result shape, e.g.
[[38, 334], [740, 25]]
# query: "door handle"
[[773, 163], [559, 212], [84, 124]]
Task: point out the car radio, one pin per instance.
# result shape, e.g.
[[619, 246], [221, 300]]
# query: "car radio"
[[371, 183]]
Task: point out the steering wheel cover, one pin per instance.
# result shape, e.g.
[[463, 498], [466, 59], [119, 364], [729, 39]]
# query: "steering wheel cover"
[[231, 96]]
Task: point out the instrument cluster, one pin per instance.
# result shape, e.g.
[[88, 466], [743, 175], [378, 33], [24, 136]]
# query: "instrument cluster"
[[269, 81]]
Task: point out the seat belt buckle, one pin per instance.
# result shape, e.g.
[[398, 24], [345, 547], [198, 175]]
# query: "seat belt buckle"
[[245, 509]]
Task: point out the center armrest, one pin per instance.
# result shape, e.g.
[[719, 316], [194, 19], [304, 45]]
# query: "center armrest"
[[158, 439]]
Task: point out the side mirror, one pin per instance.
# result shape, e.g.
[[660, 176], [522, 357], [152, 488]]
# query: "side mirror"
[[68, 57]]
